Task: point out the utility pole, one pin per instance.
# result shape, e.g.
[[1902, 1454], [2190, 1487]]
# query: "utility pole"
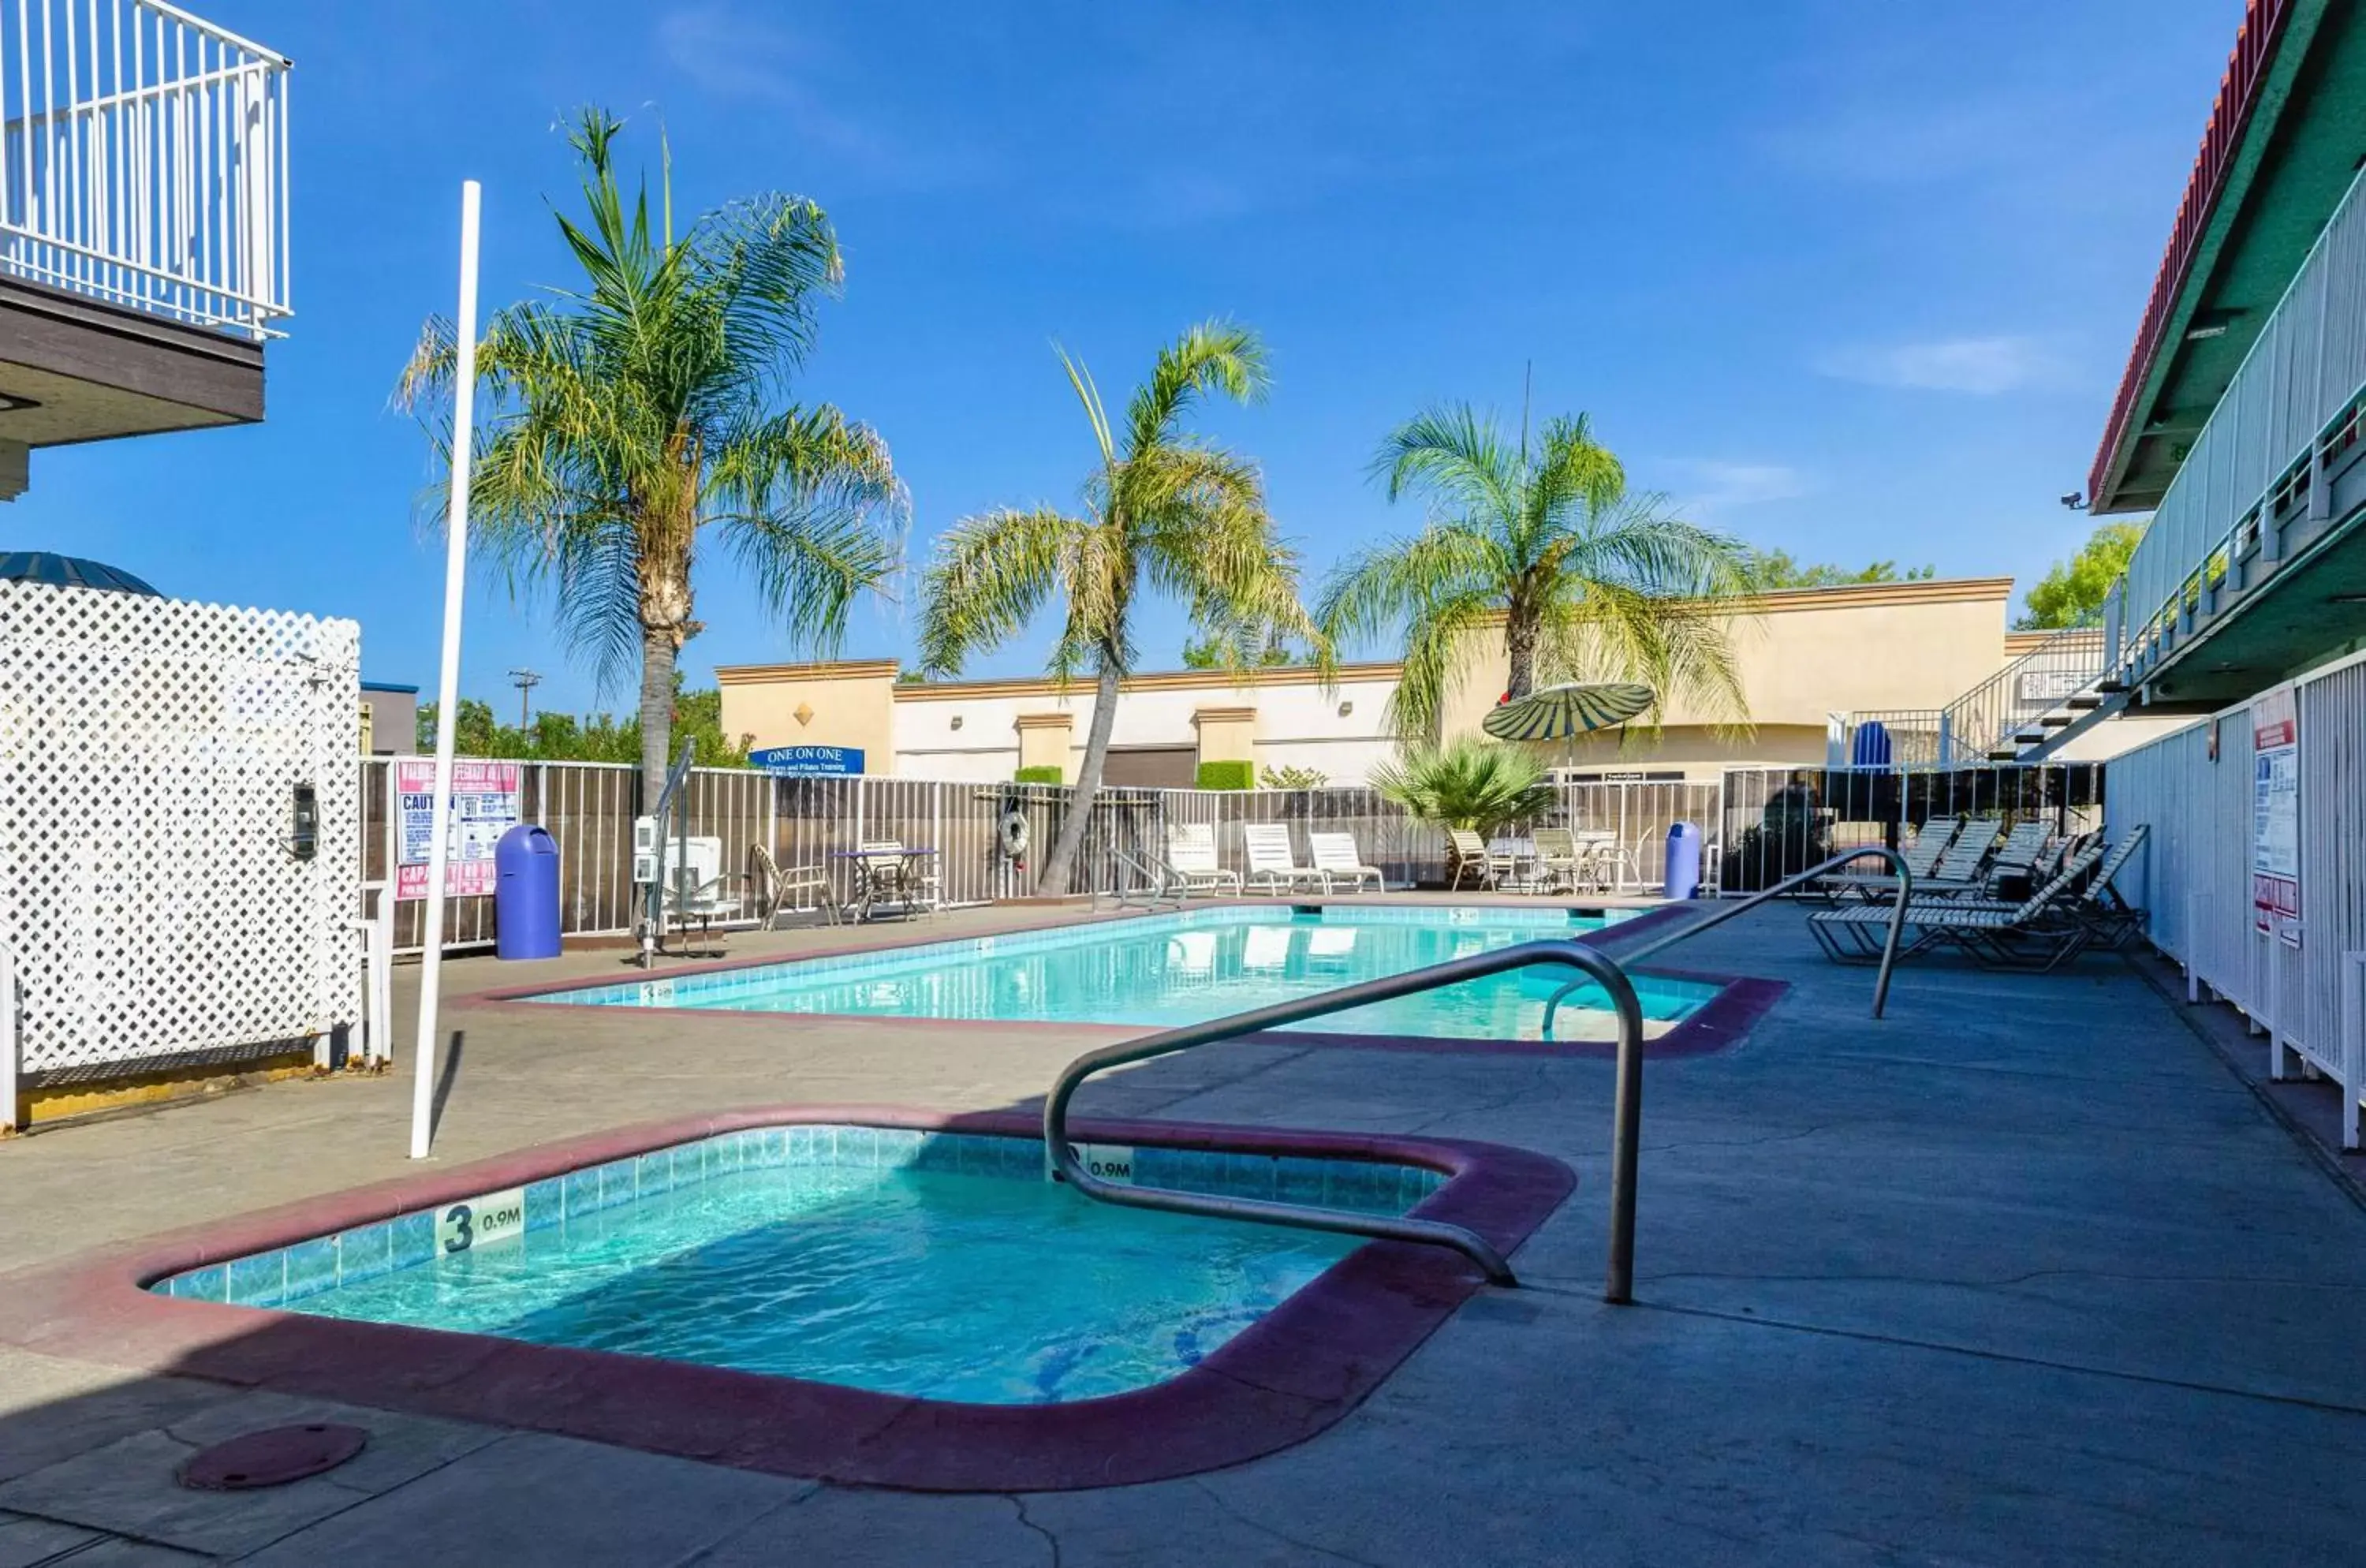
[[525, 681]]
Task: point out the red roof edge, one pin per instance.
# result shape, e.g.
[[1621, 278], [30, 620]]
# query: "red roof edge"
[[2254, 43]]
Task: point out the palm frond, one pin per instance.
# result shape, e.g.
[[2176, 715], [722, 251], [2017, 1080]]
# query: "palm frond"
[[1211, 358], [986, 577]]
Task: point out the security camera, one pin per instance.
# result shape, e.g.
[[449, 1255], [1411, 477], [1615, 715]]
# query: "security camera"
[[2075, 501]]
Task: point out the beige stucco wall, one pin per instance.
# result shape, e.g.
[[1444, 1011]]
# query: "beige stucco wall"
[[1296, 722], [1044, 743], [1804, 656], [1226, 735], [849, 705]]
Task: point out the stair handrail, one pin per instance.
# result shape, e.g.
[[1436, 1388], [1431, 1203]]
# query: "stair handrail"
[[1627, 1097], [1725, 911]]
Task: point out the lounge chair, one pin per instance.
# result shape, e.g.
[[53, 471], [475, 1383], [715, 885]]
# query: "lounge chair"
[[2039, 932], [2016, 857], [1922, 859], [1338, 859], [1273, 865], [1191, 862], [2111, 914], [774, 885], [1467, 854]]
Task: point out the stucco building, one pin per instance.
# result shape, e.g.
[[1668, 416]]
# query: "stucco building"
[[1806, 655]]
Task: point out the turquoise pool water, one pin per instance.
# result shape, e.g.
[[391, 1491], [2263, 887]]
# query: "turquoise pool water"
[[941, 1266], [1174, 969]]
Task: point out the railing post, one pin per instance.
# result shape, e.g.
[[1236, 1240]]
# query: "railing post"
[[11, 1045]]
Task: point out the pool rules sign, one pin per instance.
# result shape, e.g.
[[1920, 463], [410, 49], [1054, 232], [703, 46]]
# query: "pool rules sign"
[[2275, 815]]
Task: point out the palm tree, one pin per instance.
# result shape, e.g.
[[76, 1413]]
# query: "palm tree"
[[633, 414], [1466, 782], [1592, 583], [1162, 509]]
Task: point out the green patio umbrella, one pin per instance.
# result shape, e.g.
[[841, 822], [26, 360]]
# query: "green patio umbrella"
[[1560, 713]]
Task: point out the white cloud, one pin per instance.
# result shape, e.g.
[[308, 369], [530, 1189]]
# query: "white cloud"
[[1983, 366], [731, 52], [1712, 486]]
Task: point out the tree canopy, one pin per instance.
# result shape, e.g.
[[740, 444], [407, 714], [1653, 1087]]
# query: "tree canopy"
[[552, 736], [2072, 593], [1776, 568]]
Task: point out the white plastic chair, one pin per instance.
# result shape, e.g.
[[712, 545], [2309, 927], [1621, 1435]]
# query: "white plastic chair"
[[1273, 865], [1338, 860]]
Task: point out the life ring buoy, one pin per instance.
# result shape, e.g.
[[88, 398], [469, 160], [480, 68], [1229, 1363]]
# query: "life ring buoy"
[[1014, 834]]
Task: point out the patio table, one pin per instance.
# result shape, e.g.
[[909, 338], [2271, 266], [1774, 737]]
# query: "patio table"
[[876, 883]]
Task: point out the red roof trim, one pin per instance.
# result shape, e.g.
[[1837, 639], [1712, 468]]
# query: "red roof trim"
[[2246, 69]]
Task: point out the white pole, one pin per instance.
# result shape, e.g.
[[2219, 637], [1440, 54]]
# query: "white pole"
[[447, 691]]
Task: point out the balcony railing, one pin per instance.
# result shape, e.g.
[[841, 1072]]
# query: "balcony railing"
[[143, 160], [2261, 463]]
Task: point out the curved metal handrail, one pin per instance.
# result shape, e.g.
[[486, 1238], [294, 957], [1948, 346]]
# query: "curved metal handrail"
[[1725, 912], [1625, 1134]]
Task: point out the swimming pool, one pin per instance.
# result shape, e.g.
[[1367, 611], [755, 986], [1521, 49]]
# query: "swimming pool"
[[941, 1266], [1173, 969]]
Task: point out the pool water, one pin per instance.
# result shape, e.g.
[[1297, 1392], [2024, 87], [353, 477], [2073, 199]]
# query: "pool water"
[[1174, 969], [944, 1266]]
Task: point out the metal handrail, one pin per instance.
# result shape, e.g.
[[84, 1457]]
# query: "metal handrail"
[[1725, 912], [1156, 892], [1625, 1131]]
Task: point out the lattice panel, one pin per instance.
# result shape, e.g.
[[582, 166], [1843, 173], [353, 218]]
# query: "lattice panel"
[[149, 754]]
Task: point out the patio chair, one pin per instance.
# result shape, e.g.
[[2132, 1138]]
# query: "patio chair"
[[1191, 862], [1273, 865], [2039, 932], [1559, 862], [1338, 859], [773, 885], [1466, 855]]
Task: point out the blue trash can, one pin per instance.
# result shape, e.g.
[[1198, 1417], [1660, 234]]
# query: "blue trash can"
[[525, 894], [1683, 861]]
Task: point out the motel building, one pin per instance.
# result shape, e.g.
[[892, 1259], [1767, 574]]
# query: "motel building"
[[1818, 665]]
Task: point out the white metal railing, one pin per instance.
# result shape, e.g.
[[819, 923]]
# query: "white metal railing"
[[587, 807], [1988, 717], [143, 160], [2293, 401]]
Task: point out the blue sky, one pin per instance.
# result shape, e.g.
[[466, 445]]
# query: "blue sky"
[[1850, 279]]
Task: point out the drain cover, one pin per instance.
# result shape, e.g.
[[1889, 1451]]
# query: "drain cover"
[[272, 1457]]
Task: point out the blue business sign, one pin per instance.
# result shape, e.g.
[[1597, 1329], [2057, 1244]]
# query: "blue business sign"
[[808, 761]]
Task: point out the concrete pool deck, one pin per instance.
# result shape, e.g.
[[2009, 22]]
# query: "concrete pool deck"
[[2022, 1273]]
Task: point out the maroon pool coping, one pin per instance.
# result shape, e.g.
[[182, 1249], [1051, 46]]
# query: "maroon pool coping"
[[1715, 1025], [1281, 1380]]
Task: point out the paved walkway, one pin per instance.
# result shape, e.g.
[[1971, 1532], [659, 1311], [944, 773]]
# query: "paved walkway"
[[2021, 1274]]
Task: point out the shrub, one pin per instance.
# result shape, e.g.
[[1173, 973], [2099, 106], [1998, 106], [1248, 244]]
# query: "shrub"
[[1042, 772], [1292, 778], [1227, 775], [1467, 784]]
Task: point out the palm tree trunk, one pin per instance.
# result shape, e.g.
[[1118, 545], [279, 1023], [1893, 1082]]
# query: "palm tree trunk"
[[1061, 865], [1520, 643], [661, 647]]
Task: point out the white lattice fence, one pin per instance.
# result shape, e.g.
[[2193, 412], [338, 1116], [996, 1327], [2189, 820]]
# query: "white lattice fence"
[[150, 750]]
